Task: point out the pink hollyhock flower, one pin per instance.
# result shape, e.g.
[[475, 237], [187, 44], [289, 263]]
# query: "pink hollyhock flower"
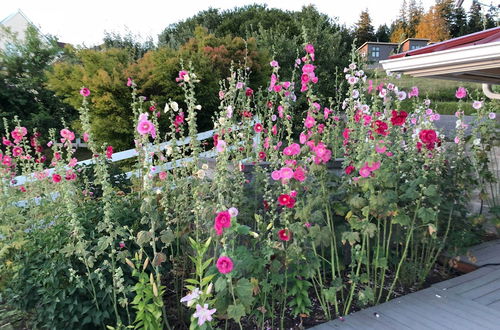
[[375, 166], [389, 154], [56, 178], [401, 95], [307, 225], [258, 128], [224, 265], [286, 173], [22, 189], [162, 175], [323, 155], [57, 156], [370, 86], [413, 92], [7, 161], [239, 85], [492, 115], [72, 162], [18, 133], [274, 64], [145, 127], [6, 142], [17, 151], [274, 130], [299, 174], [293, 193], [292, 150], [276, 175], [266, 143], [109, 152], [308, 68], [129, 82], [277, 88], [309, 122], [221, 145], [365, 171], [221, 95], [326, 113], [309, 49], [284, 235], [285, 199], [85, 91], [274, 79], [461, 93], [222, 220], [182, 76], [67, 135], [429, 112], [457, 139], [121, 245], [286, 84], [203, 314], [85, 137], [70, 175], [380, 149], [280, 111]]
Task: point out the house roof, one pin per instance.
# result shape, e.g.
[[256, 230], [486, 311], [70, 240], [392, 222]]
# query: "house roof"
[[474, 57], [378, 43], [416, 39]]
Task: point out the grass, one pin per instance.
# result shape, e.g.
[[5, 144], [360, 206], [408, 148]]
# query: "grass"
[[441, 92]]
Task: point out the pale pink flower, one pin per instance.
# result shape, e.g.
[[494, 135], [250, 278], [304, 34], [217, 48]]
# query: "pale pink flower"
[[162, 175], [203, 314], [72, 162], [85, 137], [274, 64], [492, 115], [195, 294], [477, 105], [429, 112], [239, 85], [233, 212], [413, 92], [457, 140], [276, 175], [221, 145], [380, 149], [286, 173]]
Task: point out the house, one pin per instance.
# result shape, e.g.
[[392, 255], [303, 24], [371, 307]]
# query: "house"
[[412, 44], [16, 24], [374, 52], [474, 57], [377, 51]]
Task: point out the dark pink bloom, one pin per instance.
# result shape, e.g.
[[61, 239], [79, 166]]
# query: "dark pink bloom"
[[222, 220], [258, 128], [225, 265], [109, 152], [162, 175], [461, 93], [56, 178], [299, 174], [85, 91], [284, 235]]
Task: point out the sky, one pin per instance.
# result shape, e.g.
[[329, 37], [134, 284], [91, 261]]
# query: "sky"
[[84, 22]]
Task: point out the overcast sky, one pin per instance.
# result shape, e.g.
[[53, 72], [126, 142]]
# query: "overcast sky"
[[79, 22]]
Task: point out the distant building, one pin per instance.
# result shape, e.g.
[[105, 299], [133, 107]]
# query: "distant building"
[[374, 52], [16, 24]]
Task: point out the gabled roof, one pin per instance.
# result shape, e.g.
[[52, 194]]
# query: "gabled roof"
[[416, 39], [378, 43], [477, 38]]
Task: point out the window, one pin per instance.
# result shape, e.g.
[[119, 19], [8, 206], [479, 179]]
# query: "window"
[[412, 47], [375, 51]]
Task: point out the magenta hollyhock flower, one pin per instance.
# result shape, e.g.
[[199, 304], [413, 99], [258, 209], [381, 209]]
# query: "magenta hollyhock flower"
[[274, 64], [239, 85], [17, 151], [461, 93], [222, 220], [248, 92], [308, 68], [292, 150], [224, 265], [56, 178], [7, 161], [284, 199], [145, 127], [365, 171], [109, 152], [18, 133], [276, 175], [262, 155], [375, 166], [349, 169], [286, 173], [67, 134], [309, 49], [284, 235], [258, 128], [299, 174], [309, 121], [274, 130], [380, 149], [274, 79], [129, 82], [85, 91], [182, 76], [323, 155]]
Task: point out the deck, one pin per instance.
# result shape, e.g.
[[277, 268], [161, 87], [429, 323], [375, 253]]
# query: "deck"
[[470, 301]]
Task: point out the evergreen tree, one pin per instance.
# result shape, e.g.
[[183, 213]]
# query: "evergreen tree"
[[415, 12], [364, 28], [383, 33], [493, 17], [458, 23], [475, 20]]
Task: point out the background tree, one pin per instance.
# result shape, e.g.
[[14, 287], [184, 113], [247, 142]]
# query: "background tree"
[[458, 22], [415, 12], [363, 30], [400, 25], [475, 19], [127, 41], [23, 91], [433, 26], [383, 33]]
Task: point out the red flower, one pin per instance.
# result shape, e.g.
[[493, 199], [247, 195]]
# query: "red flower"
[[266, 205], [249, 92], [349, 169], [286, 200], [216, 139], [56, 178], [381, 127], [398, 118], [262, 155], [285, 235], [109, 152], [428, 136]]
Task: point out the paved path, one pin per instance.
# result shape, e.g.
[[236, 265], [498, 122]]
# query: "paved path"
[[468, 302]]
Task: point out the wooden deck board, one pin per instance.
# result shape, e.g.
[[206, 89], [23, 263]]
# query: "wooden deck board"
[[469, 302]]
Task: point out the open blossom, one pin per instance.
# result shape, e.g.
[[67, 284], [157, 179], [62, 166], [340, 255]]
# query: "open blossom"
[[162, 175], [299, 174], [258, 128], [429, 139], [17, 151], [109, 152], [248, 92], [349, 169], [145, 127], [85, 91], [381, 127], [413, 92], [367, 169], [477, 105], [18, 133], [401, 95], [72, 162], [183, 76], [274, 64], [309, 121], [203, 314], [322, 154], [67, 135], [292, 150], [398, 117], [492, 115], [192, 296], [224, 265], [285, 235], [56, 178], [461, 93], [233, 211], [220, 146], [286, 200], [222, 220], [129, 82]]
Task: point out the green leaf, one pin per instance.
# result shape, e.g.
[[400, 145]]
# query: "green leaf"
[[351, 236], [143, 237], [426, 214], [236, 312], [244, 290], [431, 191], [167, 236], [401, 219], [220, 284]]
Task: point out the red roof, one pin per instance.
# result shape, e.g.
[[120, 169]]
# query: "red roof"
[[477, 38]]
